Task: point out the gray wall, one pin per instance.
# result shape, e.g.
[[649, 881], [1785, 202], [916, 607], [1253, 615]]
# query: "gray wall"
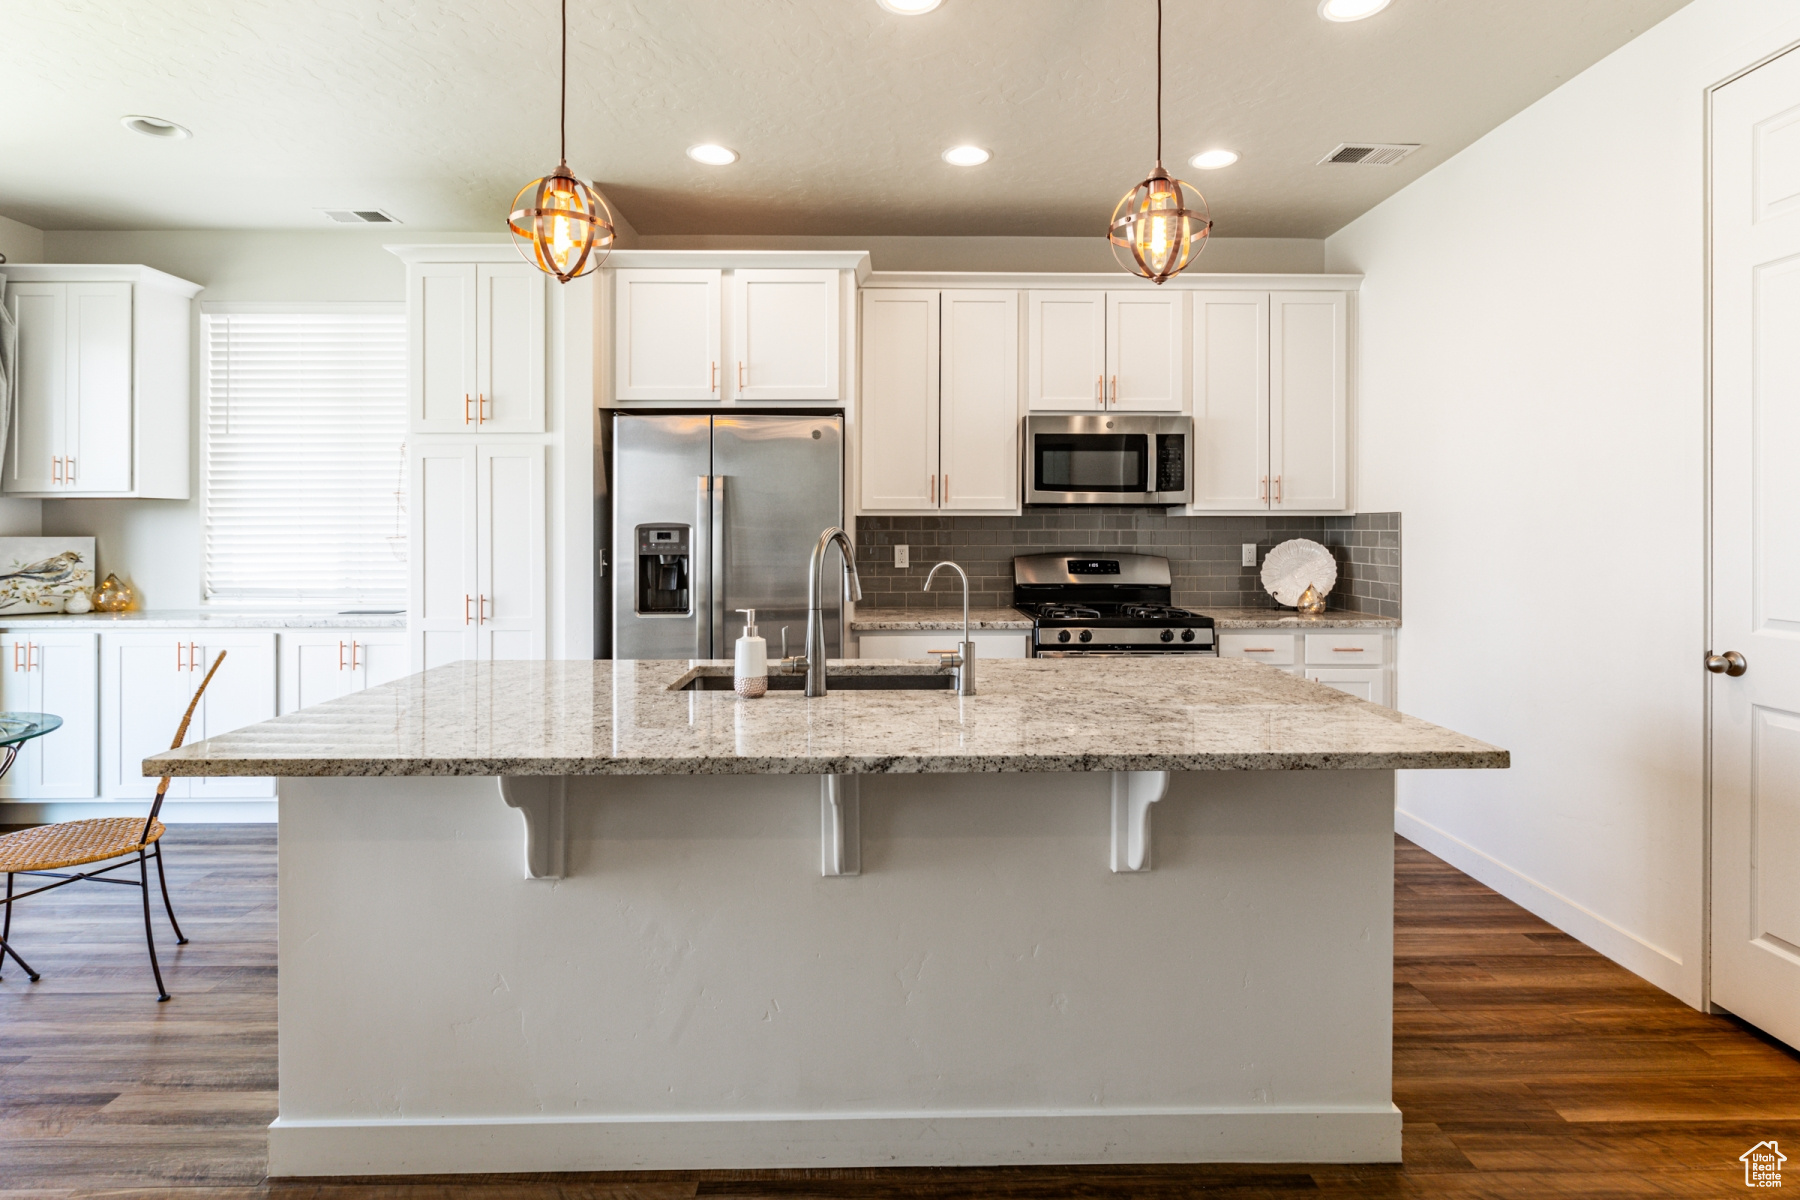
[[1204, 553]]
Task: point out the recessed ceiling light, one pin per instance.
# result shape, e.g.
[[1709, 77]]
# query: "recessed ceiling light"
[[966, 156], [1212, 160], [712, 154], [1350, 10], [155, 127], [909, 8]]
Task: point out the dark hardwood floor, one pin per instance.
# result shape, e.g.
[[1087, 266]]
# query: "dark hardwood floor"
[[1526, 1065]]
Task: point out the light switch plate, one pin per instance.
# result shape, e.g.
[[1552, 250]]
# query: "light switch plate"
[[903, 556], [1249, 554]]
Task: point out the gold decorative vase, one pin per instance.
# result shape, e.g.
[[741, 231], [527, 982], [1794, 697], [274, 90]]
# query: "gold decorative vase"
[[1311, 604], [113, 596]]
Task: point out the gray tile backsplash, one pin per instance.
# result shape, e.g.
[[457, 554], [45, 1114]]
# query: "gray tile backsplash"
[[1204, 553]]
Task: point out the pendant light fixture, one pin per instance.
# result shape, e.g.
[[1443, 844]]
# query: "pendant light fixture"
[[1161, 225], [559, 223]]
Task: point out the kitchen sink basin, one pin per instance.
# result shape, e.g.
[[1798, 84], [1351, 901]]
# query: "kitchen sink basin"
[[833, 683]]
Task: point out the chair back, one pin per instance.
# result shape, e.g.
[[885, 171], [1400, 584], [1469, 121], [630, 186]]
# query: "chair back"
[[162, 789]]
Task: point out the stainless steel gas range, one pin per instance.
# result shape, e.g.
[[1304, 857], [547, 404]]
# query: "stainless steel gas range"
[[1105, 604]]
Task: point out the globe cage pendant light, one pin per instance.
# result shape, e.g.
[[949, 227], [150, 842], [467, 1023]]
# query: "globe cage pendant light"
[[1162, 224], [559, 223]]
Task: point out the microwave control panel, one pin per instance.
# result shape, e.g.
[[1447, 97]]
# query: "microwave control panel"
[[1171, 462]]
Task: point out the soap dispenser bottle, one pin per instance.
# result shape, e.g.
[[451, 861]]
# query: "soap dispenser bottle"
[[751, 674]]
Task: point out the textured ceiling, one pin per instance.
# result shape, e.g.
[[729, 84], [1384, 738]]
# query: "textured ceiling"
[[438, 110]]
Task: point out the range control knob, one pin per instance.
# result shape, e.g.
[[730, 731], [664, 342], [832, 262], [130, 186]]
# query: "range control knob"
[[1168, 635], [1187, 635], [1062, 636], [1087, 635]]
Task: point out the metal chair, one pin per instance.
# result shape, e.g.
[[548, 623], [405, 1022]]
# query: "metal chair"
[[46, 848]]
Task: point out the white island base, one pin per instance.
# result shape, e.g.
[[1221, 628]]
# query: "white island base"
[[694, 994]]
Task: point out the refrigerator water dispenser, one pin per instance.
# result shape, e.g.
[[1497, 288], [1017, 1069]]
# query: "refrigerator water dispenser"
[[662, 570]]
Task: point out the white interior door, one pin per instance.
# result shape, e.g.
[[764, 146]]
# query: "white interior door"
[[97, 433], [509, 356], [41, 311], [666, 335], [441, 337], [1309, 408], [899, 437], [509, 600], [1231, 400], [1143, 351], [979, 438], [1755, 909], [1065, 363], [442, 585], [785, 335]]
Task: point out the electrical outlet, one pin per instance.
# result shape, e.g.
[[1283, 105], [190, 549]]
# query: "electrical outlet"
[[1249, 554], [903, 556]]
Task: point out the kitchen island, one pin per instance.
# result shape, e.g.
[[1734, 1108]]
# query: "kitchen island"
[[560, 916]]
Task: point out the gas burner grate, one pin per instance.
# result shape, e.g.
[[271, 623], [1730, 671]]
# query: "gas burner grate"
[[1067, 612], [1154, 612]]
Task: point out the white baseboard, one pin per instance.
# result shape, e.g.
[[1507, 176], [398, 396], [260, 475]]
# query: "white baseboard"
[[174, 812], [658, 1143], [1660, 966]]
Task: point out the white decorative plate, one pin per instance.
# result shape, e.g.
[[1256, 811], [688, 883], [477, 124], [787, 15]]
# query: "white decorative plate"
[[1291, 566]]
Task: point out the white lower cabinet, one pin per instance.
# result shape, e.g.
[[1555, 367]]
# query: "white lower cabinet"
[[992, 644], [146, 681], [1357, 661], [55, 673], [1370, 685], [322, 664]]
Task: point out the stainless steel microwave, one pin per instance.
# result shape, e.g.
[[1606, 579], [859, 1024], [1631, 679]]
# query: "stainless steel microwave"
[[1109, 458]]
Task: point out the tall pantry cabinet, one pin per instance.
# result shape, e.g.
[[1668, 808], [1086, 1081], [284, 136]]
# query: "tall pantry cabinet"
[[477, 371]]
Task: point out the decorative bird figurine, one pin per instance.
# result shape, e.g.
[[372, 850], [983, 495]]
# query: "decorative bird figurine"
[[59, 569]]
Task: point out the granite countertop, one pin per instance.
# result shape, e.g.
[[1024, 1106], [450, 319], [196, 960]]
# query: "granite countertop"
[[177, 618], [919, 620], [625, 717]]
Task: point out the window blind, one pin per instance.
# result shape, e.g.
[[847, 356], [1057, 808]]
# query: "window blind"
[[304, 498]]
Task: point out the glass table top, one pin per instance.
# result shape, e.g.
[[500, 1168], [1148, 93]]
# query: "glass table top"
[[18, 727]]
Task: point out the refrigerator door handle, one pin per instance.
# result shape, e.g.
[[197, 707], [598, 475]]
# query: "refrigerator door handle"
[[721, 649], [700, 583]]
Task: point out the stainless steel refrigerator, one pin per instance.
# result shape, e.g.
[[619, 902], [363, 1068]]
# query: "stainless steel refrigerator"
[[711, 514]]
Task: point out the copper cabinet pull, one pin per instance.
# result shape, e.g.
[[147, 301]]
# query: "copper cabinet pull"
[[481, 607], [56, 470], [466, 408], [740, 375], [714, 385], [1100, 390], [1259, 649], [354, 666], [16, 656], [68, 470], [467, 600], [946, 487], [179, 665], [934, 489], [1115, 391], [193, 656], [1262, 490], [31, 656], [1278, 489], [1346, 649], [481, 403], [340, 655]]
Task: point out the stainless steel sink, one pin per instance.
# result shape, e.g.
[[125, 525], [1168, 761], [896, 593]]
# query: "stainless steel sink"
[[834, 683]]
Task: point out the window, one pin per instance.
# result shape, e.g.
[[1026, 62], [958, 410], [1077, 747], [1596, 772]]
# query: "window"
[[304, 497]]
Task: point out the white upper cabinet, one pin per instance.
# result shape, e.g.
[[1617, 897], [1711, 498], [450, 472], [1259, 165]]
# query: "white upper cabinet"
[[477, 343], [939, 422], [1231, 400], [1308, 400], [1271, 401], [1143, 351], [1066, 368], [101, 407], [899, 415], [479, 554], [666, 334], [785, 335], [1089, 351], [979, 421]]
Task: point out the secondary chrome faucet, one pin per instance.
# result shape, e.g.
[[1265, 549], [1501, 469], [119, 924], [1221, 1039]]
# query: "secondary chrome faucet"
[[963, 657], [814, 658]]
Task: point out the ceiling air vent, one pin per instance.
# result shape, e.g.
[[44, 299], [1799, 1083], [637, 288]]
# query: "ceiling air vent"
[[1370, 154], [360, 216]]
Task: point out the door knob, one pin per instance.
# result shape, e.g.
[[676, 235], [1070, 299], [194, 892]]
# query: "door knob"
[[1729, 663]]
